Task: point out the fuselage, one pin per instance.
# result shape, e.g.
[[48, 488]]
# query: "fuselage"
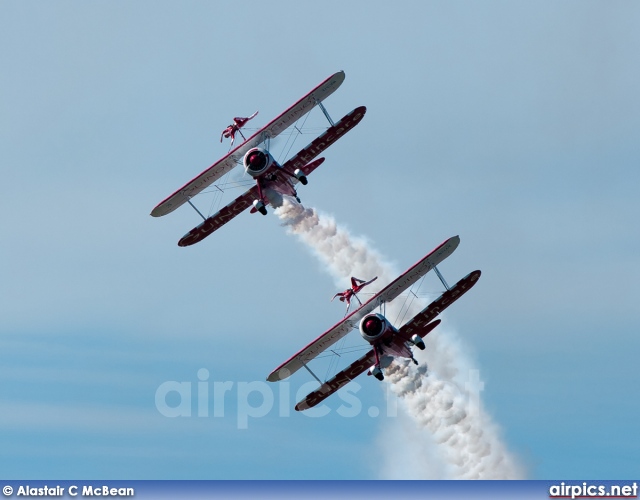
[[269, 175]]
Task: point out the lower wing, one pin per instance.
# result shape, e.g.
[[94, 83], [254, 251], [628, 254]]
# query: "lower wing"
[[240, 204], [215, 222], [339, 380]]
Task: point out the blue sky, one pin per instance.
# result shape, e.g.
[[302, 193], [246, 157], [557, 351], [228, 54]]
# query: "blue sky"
[[512, 124]]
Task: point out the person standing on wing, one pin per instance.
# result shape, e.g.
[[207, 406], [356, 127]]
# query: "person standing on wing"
[[238, 123], [356, 286]]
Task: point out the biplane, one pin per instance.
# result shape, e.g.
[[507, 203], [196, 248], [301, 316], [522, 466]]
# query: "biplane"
[[387, 341], [272, 180]]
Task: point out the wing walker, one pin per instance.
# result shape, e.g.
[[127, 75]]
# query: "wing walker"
[[356, 286]]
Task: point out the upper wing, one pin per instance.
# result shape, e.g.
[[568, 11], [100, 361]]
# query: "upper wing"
[[414, 273], [387, 294], [240, 204], [271, 130], [341, 379]]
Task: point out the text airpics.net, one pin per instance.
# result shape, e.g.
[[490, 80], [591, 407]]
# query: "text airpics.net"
[[256, 399], [586, 490]]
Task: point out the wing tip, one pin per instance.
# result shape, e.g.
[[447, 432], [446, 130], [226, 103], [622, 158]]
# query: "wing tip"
[[278, 374]]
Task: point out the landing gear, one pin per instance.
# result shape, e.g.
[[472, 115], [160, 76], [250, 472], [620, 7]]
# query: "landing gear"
[[375, 369], [377, 373], [414, 360], [418, 342], [259, 206], [300, 176]]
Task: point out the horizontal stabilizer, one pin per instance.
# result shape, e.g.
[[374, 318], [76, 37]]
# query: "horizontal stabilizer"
[[421, 332]]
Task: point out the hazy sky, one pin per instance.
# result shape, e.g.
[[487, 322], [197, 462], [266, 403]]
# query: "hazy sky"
[[512, 124]]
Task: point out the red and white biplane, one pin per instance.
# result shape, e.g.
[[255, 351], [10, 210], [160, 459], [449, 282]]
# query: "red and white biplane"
[[387, 341], [272, 179]]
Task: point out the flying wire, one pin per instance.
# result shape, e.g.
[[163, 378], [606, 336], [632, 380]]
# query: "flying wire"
[[409, 298], [334, 358], [294, 136]]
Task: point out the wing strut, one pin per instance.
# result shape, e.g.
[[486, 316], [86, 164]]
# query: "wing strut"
[[194, 207], [324, 110], [441, 278], [309, 370]]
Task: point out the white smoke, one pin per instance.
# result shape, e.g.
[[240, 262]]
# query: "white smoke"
[[462, 442], [344, 255]]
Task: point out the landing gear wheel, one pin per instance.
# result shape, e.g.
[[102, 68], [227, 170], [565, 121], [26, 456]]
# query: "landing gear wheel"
[[258, 205], [418, 342], [379, 376], [300, 176]]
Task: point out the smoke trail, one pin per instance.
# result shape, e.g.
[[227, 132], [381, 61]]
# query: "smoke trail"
[[444, 399], [344, 255]]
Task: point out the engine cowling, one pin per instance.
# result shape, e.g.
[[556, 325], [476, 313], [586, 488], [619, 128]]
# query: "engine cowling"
[[374, 326], [257, 161]]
